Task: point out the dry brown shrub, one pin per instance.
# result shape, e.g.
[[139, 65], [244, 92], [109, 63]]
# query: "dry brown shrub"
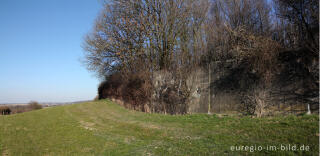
[[133, 89], [33, 105], [5, 110]]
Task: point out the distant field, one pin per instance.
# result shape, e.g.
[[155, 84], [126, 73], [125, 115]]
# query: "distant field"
[[104, 128]]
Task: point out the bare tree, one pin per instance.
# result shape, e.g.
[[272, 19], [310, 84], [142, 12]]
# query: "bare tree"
[[301, 21], [138, 39]]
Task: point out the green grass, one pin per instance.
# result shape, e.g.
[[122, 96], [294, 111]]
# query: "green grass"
[[104, 128]]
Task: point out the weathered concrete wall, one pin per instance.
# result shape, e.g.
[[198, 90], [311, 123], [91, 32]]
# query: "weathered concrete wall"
[[227, 82], [198, 85], [202, 85]]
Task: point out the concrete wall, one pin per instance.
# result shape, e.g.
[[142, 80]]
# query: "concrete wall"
[[223, 95], [201, 87]]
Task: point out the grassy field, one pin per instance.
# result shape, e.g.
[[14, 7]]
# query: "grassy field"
[[104, 128]]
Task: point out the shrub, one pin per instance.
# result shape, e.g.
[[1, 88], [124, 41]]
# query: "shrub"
[[134, 89], [137, 90], [4, 110], [33, 105]]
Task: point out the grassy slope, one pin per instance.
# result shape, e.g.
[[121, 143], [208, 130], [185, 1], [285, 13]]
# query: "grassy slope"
[[104, 128]]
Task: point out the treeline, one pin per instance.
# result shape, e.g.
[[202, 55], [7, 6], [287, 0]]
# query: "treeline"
[[14, 109], [132, 41]]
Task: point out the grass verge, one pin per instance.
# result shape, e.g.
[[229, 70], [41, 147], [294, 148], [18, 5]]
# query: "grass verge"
[[105, 128]]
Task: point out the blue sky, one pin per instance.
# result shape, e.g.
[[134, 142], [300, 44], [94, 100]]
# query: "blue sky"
[[40, 50]]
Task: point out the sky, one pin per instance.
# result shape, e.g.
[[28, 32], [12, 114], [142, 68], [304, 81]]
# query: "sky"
[[41, 53]]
